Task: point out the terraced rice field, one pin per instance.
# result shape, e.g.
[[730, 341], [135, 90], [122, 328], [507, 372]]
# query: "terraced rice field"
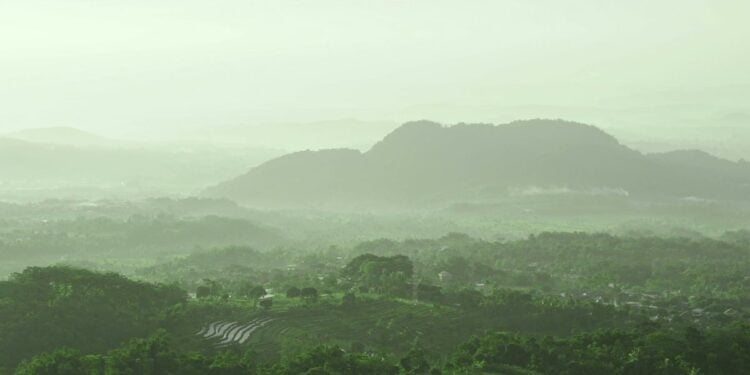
[[375, 323], [226, 333], [381, 325]]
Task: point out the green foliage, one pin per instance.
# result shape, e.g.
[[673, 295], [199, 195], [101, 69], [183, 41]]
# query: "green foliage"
[[253, 292], [644, 351], [48, 308], [309, 294], [59, 362], [414, 363], [155, 356], [209, 288], [594, 303], [152, 356], [266, 303], [335, 361], [293, 292], [390, 275], [348, 300], [138, 235], [619, 352]]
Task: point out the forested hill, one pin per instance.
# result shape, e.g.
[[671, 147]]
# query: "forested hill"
[[426, 163]]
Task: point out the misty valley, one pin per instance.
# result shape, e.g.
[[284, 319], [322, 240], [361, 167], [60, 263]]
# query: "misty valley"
[[342, 187], [534, 247]]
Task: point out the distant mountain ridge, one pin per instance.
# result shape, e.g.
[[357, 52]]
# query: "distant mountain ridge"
[[62, 135], [50, 170], [426, 163]]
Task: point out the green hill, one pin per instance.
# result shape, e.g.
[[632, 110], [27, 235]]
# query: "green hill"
[[426, 164]]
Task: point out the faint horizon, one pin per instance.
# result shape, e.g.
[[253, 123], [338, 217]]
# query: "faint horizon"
[[151, 70]]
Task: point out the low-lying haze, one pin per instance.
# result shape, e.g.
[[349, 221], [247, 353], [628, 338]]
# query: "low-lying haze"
[[664, 75]]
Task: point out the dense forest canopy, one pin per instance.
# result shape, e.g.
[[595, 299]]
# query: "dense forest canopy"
[[671, 304]]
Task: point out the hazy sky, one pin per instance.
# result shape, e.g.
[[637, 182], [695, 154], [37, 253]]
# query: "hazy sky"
[[123, 66]]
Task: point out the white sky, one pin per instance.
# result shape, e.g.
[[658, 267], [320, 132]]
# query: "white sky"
[[122, 66]]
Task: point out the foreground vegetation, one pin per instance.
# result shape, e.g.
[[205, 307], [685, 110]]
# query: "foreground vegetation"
[[565, 303]]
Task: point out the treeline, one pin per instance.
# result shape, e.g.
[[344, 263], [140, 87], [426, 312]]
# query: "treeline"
[[672, 278], [696, 273], [60, 320], [575, 302], [155, 356], [94, 241], [646, 350]]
